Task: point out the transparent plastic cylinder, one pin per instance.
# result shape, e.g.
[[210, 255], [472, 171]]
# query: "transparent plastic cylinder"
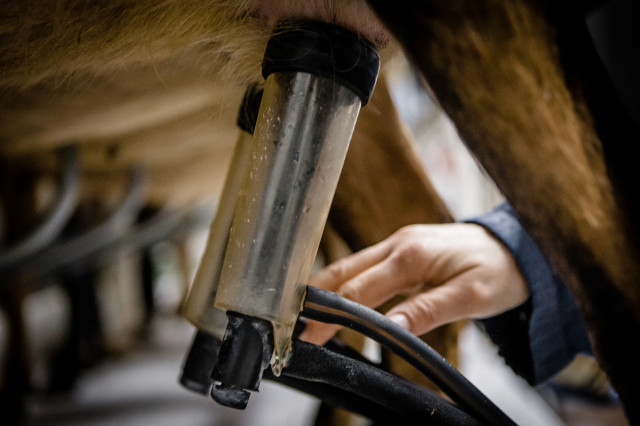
[[199, 307], [300, 142]]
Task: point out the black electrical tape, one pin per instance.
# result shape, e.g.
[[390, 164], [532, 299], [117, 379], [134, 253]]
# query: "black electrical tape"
[[248, 114], [323, 49]]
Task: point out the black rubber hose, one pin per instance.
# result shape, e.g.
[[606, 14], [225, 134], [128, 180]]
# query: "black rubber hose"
[[77, 248], [117, 224], [57, 217], [325, 306], [337, 398], [366, 389]]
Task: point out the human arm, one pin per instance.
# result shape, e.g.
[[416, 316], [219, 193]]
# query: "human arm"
[[537, 339], [461, 271], [488, 269]]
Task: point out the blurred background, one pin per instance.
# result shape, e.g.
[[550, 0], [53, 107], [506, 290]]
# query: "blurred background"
[[111, 352]]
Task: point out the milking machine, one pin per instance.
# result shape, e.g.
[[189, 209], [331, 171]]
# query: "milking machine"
[[249, 290]]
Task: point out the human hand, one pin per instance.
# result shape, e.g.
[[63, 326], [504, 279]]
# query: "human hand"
[[462, 271]]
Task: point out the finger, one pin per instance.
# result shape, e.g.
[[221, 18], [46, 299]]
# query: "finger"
[[318, 333], [453, 301], [378, 284], [371, 288], [331, 277]]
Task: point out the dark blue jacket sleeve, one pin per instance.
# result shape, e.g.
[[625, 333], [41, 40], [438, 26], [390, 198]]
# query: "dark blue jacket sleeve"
[[540, 337]]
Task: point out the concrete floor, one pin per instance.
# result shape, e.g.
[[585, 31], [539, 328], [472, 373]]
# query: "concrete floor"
[[141, 388]]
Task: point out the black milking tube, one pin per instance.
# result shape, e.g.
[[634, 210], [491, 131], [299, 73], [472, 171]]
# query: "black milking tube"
[[56, 219], [325, 306], [365, 389]]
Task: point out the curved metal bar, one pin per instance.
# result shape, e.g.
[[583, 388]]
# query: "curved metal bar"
[[77, 248], [56, 218]]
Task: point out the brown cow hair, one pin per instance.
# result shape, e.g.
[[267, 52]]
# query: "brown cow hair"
[[60, 39]]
